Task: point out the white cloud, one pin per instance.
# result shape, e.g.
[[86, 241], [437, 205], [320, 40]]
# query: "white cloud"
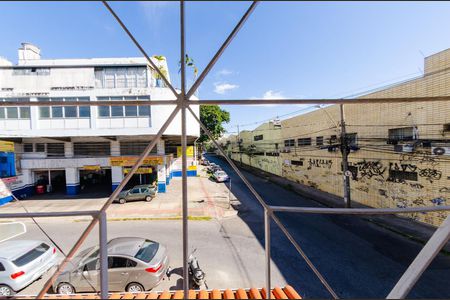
[[271, 94], [222, 88], [224, 72], [153, 11]]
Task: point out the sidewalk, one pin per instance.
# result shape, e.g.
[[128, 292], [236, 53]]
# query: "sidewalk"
[[206, 199]]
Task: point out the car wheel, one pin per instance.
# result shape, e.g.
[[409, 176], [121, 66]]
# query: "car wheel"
[[148, 198], [65, 289], [122, 201], [135, 287], [6, 290]]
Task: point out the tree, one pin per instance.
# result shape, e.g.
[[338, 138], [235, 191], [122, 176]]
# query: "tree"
[[213, 117]]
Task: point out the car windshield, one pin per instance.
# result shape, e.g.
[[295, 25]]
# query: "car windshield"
[[147, 251], [31, 255], [82, 257]]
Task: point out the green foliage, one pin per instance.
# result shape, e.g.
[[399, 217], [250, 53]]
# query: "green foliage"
[[189, 62], [163, 70], [213, 117]]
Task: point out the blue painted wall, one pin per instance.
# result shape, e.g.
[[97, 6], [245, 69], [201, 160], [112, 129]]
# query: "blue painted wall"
[[73, 189]]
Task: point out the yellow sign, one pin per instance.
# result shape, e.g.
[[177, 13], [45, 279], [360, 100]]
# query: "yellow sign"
[[129, 161], [92, 167], [189, 151], [6, 146], [192, 168], [141, 170]]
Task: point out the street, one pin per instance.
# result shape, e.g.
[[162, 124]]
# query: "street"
[[357, 258]]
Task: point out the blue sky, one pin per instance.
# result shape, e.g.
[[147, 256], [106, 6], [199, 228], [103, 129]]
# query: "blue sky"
[[286, 49]]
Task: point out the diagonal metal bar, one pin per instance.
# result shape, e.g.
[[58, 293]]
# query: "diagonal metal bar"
[[184, 190], [166, 81], [116, 192], [305, 257], [221, 50], [421, 262], [265, 206]]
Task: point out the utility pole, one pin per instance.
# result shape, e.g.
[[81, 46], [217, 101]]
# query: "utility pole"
[[345, 151]]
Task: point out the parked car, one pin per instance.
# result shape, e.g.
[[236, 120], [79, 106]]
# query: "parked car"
[[134, 265], [22, 262], [139, 192], [220, 176]]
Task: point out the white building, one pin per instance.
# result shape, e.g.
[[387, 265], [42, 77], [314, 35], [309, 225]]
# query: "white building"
[[74, 148]]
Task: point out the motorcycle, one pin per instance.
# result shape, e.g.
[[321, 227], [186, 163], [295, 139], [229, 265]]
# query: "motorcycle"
[[195, 272]]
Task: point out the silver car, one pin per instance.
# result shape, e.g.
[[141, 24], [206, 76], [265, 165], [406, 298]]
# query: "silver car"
[[22, 262], [134, 265]]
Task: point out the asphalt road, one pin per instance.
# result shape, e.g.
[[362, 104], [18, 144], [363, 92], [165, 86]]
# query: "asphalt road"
[[358, 259], [227, 250]]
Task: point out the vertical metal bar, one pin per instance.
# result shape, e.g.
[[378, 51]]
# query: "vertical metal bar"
[[183, 102], [103, 255], [421, 262], [267, 246], [344, 151]]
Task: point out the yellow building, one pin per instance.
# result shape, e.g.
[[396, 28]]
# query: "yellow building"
[[399, 152]]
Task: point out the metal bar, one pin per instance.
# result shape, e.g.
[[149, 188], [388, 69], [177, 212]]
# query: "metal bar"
[[221, 50], [422, 261], [229, 102], [235, 168], [184, 190], [90, 103], [91, 225], [103, 238], [166, 81], [316, 101], [267, 248], [49, 214], [358, 211], [303, 254]]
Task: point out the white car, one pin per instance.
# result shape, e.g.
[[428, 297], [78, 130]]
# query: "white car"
[[220, 176], [22, 262]]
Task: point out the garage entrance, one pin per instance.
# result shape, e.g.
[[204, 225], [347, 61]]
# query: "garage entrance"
[[50, 181], [95, 181], [144, 175]]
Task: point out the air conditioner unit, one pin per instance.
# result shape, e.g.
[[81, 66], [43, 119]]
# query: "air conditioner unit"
[[440, 150], [404, 148]]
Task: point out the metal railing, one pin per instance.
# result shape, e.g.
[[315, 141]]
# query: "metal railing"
[[182, 103]]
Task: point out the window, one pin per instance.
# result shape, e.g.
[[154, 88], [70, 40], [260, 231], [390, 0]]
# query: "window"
[[92, 149], [147, 251], [12, 112], [446, 127], [123, 111], [115, 262], [351, 139], [304, 142], [32, 71], [2, 268], [40, 147], [333, 139], [134, 148], [31, 255], [297, 162], [55, 150], [403, 134], [123, 77], [289, 143], [319, 140], [16, 112], [27, 147], [92, 265], [58, 112], [135, 191], [258, 137]]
